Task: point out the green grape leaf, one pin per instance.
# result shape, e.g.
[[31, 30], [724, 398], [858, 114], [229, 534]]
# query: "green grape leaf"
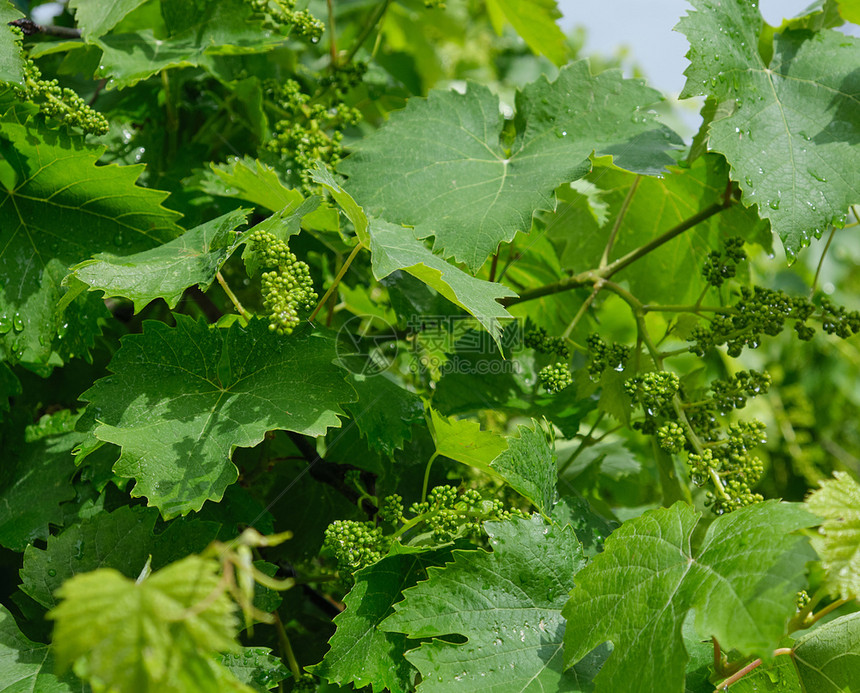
[[121, 540], [463, 441], [850, 10], [36, 475], [251, 180], [26, 665], [828, 657], [535, 21], [362, 654], [740, 583], [439, 164], [396, 248], [590, 528], [507, 604], [385, 412], [159, 634], [166, 271], [793, 134], [9, 387], [97, 17], [777, 676], [183, 398], [528, 466], [670, 273], [198, 30], [11, 58], [256, 667], [61, 210], [838, 539]]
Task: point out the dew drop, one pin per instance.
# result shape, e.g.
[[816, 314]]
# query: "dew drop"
[[18, 323], [774, 203], [5, 324], [52, 573], [815, 174], [748, 180], [118, 240]]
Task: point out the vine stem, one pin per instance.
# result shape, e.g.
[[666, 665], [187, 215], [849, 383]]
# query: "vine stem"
[[581, 312], [233, 299], [336, 281], [333, 38], [366, 30], [427, 476], [582, 445], [604, 260], [738, 675], [593, 276], [287, 647]]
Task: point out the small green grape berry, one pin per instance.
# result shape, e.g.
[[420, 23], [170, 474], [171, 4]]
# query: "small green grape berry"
[[555, 377]]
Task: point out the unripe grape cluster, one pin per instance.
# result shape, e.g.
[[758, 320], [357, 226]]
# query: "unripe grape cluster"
[[354, 545], [605, 356], [309, 131], [555, 377], [60, 103], [284, 13], [733, 392], [540, 341], [671, 437], [287, 287], [761, 311], [722, 265]]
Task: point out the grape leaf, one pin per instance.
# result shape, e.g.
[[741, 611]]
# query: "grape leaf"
[[777, 676], [256, 667], [838, 539], [36, 475], [656, 205], [394, 248], [360, 653], [11, 58], [507, 604], [61, 209], [251, 180], [9, 387], [159, 634], [740, 582], [850, 10], [439, 165], [385, 412], [183, 398], [97, 17], [26, 665], [828, 657], [535, 21], [121, 540], [793, 135], [166, 271], [528, 466], [464, 441], [198, 30]]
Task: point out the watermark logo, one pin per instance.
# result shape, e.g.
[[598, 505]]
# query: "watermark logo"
[[367, 345]]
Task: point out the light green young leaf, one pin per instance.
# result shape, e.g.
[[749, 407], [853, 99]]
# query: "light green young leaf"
[[26, 665], [166, 271], [183, 398], [838, 539], [11, 58], [256, 667], [507, 604], [396, 248], [850, 10], [360, 652], [794, 133], [121, 540], [61, 210], [160, 635], [252, 180], [463, 441], [528, 466], [36, 475], [740, 583], [828, 657], [536, 22], [439, 164], [97, 17], [776, 676]]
